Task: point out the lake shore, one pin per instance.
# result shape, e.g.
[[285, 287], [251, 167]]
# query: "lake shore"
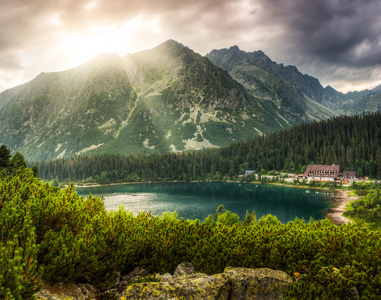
[[335, 214]]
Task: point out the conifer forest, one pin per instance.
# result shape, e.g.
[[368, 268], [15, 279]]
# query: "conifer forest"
[[353, 142]]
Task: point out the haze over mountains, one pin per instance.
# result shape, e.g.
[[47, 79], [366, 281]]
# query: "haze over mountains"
[[165, 99]]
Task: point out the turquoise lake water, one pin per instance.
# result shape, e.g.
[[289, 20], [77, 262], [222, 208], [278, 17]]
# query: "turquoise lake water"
[[198, 200]]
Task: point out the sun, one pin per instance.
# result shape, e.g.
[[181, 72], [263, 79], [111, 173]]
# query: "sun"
[[97, 39]]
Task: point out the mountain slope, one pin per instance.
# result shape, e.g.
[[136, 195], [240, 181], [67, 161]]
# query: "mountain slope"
[[165, 99], [298, 97], [66, 111], [357, 102]]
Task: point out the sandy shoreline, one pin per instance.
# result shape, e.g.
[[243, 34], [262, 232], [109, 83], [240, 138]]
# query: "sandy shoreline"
[[336, 212]]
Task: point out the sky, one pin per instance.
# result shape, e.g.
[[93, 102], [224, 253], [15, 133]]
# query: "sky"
[[336, 41]]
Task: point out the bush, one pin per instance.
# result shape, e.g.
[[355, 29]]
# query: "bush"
[[76, 239], [75, 236], [20, 275]]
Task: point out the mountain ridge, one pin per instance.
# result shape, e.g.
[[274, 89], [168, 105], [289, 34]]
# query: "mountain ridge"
[[234, 59], [168, 98]]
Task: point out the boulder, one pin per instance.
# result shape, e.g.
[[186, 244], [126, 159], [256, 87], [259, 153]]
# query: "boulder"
[[109, 295], [66, 291], [135, 274], [165, 277], [194, 286], [233, 284], [263, 284], [352, 294], [117, 275], [184, 268]]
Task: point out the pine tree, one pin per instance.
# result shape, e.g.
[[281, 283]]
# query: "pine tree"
[[5, 155], [17, 161]]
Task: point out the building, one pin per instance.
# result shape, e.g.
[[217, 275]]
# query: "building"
[[327, 172], [323, 172], [351, 175], [249, 172]]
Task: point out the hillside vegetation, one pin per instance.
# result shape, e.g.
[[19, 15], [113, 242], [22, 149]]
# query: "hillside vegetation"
[[353, 142], [165, 99], [53, 234]]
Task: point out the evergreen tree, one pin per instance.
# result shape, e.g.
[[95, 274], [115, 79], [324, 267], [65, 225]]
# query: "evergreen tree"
[[35, 171], [354, 142], [17, 161], [5, 155]]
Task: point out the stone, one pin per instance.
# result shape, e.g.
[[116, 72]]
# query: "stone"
[[135, 274], [117, 278], [233, 284], [123, 284], [88, 290], [184, 268], [66, 291], [109, 295], [263, 284], [194, 286], [352, 294], [165, 277]]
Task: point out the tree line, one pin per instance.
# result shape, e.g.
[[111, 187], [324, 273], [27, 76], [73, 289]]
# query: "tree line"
[[11, 163], [353, 142]]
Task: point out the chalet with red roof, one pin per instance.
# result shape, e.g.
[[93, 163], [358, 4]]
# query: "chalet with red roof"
[[327, 172]]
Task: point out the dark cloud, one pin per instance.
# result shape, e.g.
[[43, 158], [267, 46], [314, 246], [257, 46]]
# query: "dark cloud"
[[345, 32], [334, 40]]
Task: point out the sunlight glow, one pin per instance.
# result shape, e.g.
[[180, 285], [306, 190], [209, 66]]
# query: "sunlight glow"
[[99, 39], [10, 79], [91, 5]]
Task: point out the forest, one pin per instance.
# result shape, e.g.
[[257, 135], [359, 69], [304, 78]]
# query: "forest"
[[353, 142], [55, 235]]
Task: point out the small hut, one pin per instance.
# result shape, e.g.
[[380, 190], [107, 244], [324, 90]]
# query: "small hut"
[[350, 175]]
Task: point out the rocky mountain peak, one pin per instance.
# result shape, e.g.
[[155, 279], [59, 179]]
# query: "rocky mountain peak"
[[168, 98], [234, 48]]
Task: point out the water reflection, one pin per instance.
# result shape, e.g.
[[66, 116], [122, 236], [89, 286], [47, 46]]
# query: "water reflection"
[[198, 200]]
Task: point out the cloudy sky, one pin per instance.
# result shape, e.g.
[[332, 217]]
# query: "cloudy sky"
[[337, 41]]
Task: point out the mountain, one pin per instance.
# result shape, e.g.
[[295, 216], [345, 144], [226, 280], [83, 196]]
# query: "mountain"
[[299, 97], [168, 98], [292, 91], [357, 102]]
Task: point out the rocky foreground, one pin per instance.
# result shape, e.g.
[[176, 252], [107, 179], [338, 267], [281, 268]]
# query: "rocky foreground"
[[185, 283]]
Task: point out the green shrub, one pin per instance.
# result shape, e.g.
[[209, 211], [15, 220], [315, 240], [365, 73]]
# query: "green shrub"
[[75, 235], [76, 239], [19, 273], [148, 278]]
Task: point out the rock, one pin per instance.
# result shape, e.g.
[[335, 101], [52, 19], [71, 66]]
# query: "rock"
[[66, 291], [194, 286], [184, 268], [135, 274], [110, 295], [352, 294], [123, 284], [165, 277], [263, 284], [117, 278], [233, 284], [88, 290]]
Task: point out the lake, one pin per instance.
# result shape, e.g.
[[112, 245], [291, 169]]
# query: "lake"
[[198, 200]]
